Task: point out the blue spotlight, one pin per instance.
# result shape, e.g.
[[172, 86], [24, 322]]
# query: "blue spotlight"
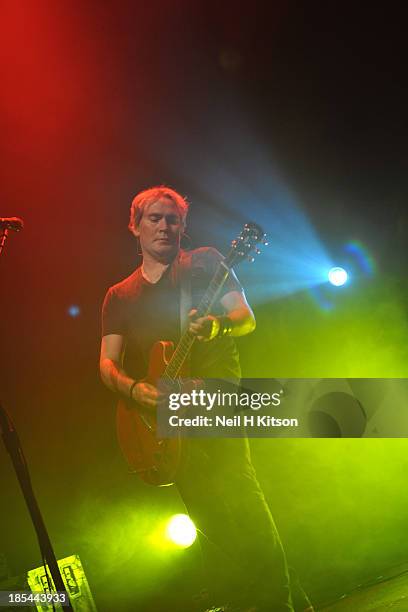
[[74, 311], [337, 276]]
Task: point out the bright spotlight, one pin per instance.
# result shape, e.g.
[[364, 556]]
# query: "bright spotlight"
[[181, 530], [337, 276]]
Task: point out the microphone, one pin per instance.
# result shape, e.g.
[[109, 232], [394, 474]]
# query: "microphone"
[[11, 223]]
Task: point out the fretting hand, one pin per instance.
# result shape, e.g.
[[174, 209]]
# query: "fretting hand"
[[204, 328]]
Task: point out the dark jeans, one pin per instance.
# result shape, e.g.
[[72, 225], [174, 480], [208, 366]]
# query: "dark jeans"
[[242, 551]]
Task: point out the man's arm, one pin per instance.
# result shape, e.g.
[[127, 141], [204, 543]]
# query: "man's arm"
[[115, 377], [239, 312], [238, 321]]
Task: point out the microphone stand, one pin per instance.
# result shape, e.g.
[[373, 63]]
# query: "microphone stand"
[[13, 446]]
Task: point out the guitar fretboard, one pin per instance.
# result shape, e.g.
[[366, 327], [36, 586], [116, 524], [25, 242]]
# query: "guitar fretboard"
[[187, 339]]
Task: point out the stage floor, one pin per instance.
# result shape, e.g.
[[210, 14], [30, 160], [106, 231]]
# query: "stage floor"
[[392, 593]]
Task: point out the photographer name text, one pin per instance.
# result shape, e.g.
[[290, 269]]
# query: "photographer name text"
[[251, 420]]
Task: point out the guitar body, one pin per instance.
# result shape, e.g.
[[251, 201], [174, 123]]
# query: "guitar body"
[[156, 461]]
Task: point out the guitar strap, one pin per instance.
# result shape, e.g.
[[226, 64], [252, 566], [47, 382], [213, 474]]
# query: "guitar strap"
[[184, 277], [181, 276]]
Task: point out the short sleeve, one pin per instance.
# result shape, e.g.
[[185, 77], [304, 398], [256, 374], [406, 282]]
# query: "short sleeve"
[[209, 259], [113, 319]]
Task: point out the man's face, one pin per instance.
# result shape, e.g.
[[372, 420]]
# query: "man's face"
[[160, 230]]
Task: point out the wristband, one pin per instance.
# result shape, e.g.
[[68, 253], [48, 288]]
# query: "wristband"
[[132, 386], [225, 327]]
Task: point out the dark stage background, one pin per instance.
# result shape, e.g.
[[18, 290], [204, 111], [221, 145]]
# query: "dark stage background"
[[292, 114]]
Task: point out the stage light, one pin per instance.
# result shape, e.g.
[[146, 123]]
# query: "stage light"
[[74, 311], [337, 276], [181, 530]]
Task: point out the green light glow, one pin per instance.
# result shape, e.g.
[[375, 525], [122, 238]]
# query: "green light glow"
[[364, 335]]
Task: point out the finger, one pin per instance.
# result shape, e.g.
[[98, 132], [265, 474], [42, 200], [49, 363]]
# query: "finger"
[[201, 320], [195, 328], [152, 391], [146, 402], [150, 403], [155, 397], [198, 333]]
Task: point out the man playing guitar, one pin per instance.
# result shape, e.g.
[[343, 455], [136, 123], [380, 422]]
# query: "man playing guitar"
[[217, 482]]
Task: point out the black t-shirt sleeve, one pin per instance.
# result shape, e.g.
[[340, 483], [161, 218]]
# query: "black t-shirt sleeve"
[[113, 315], [211, 258]]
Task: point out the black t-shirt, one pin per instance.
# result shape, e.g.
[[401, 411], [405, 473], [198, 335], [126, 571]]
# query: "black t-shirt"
[[144, 313]]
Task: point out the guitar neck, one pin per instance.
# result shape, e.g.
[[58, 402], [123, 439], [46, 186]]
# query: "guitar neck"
[[187, 339]]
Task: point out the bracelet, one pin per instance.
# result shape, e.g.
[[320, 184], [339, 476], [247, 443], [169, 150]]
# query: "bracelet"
[[225, 326], [132, 386]]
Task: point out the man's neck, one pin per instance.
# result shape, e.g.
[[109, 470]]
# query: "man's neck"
[[153, 270]]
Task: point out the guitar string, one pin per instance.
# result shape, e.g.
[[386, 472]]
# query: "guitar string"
[[187, 340]]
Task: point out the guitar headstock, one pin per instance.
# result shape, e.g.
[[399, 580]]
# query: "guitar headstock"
[[245, 244]]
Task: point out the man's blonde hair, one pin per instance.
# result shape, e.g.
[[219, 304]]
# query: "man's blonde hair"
[[148, 196]]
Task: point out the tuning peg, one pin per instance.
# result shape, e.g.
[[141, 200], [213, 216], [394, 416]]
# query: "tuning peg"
[[251, 259], [257, 251], [264, 240]]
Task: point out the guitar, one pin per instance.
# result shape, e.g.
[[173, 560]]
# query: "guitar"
[[155, 460]]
